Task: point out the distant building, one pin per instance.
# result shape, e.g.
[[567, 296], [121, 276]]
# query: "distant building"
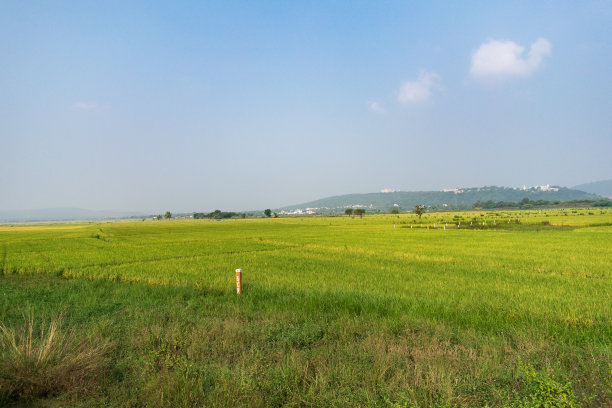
[[453, 190], [547, 187]]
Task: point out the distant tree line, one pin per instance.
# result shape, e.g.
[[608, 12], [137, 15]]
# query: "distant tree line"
[[217, 215], [527, 203], [603, 203]]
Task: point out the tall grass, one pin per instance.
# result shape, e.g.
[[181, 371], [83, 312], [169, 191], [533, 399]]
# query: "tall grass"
[[41, 360]]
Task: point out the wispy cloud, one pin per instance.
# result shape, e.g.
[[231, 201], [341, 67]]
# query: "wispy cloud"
[[419, 90], [88, 107], [376, 107], [498, 60]]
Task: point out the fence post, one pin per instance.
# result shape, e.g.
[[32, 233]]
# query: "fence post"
[[239, 281]]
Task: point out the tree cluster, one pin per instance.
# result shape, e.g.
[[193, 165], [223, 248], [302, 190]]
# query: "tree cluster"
[[603, 203], [527, 203], [217, 215], [359, 212]]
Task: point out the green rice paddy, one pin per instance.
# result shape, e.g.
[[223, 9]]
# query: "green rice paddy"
[[455, 309]]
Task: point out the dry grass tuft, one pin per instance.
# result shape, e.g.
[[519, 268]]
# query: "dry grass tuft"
[[43, 360]]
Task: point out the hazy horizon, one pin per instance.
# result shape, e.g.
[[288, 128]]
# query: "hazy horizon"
[[192, 107], [141, 212]]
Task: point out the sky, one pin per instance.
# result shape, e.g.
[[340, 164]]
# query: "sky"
[[193, 106]]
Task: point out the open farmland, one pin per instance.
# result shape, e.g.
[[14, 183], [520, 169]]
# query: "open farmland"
[[488, 307]]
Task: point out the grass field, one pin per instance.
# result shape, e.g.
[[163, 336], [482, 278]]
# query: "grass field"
[[497, 308]]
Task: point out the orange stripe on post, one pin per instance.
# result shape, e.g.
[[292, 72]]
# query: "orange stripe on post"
[[239, 281]]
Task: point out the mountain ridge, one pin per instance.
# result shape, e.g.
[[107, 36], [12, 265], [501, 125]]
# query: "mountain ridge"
[[452, 198], [602, 188]]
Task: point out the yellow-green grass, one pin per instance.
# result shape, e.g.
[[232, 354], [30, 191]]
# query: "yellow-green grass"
[[488, 298]]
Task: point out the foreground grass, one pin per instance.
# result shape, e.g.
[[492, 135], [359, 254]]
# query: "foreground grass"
[[336, 311], [185, 347], [46, 361]]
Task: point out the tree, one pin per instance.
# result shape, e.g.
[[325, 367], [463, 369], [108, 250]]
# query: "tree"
[[348, 211], [168, 215], [217, 215], [394, 211], [268, 212], [419, 209], [359, 212], [158, 217]]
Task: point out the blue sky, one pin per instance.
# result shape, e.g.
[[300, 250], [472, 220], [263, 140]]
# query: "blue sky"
[[193, 106]]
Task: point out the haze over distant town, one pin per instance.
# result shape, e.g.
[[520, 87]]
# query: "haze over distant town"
[[198, 106]]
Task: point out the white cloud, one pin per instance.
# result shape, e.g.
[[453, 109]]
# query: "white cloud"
[[419, 90], [503, 59], [376, 107]]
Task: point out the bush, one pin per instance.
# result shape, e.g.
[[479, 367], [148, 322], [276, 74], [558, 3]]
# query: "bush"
[[44, 360], [545, 392]]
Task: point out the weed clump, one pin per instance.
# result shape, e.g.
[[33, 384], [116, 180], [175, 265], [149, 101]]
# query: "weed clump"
[[43, 360], [546, 392]]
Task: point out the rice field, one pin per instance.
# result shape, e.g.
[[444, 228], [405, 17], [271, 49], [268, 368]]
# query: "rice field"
[[454, 309]]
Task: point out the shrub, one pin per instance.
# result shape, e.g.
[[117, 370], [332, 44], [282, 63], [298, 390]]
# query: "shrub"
[[545, 392], [45, 360]]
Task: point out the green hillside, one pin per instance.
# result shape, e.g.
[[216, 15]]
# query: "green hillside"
[[458, 198], [602, 188]]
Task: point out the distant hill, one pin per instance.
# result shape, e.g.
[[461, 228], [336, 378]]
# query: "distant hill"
[[602, 188], [63, 214], [456, 198]]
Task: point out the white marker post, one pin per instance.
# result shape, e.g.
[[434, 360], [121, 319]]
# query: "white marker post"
[[239, 282]]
